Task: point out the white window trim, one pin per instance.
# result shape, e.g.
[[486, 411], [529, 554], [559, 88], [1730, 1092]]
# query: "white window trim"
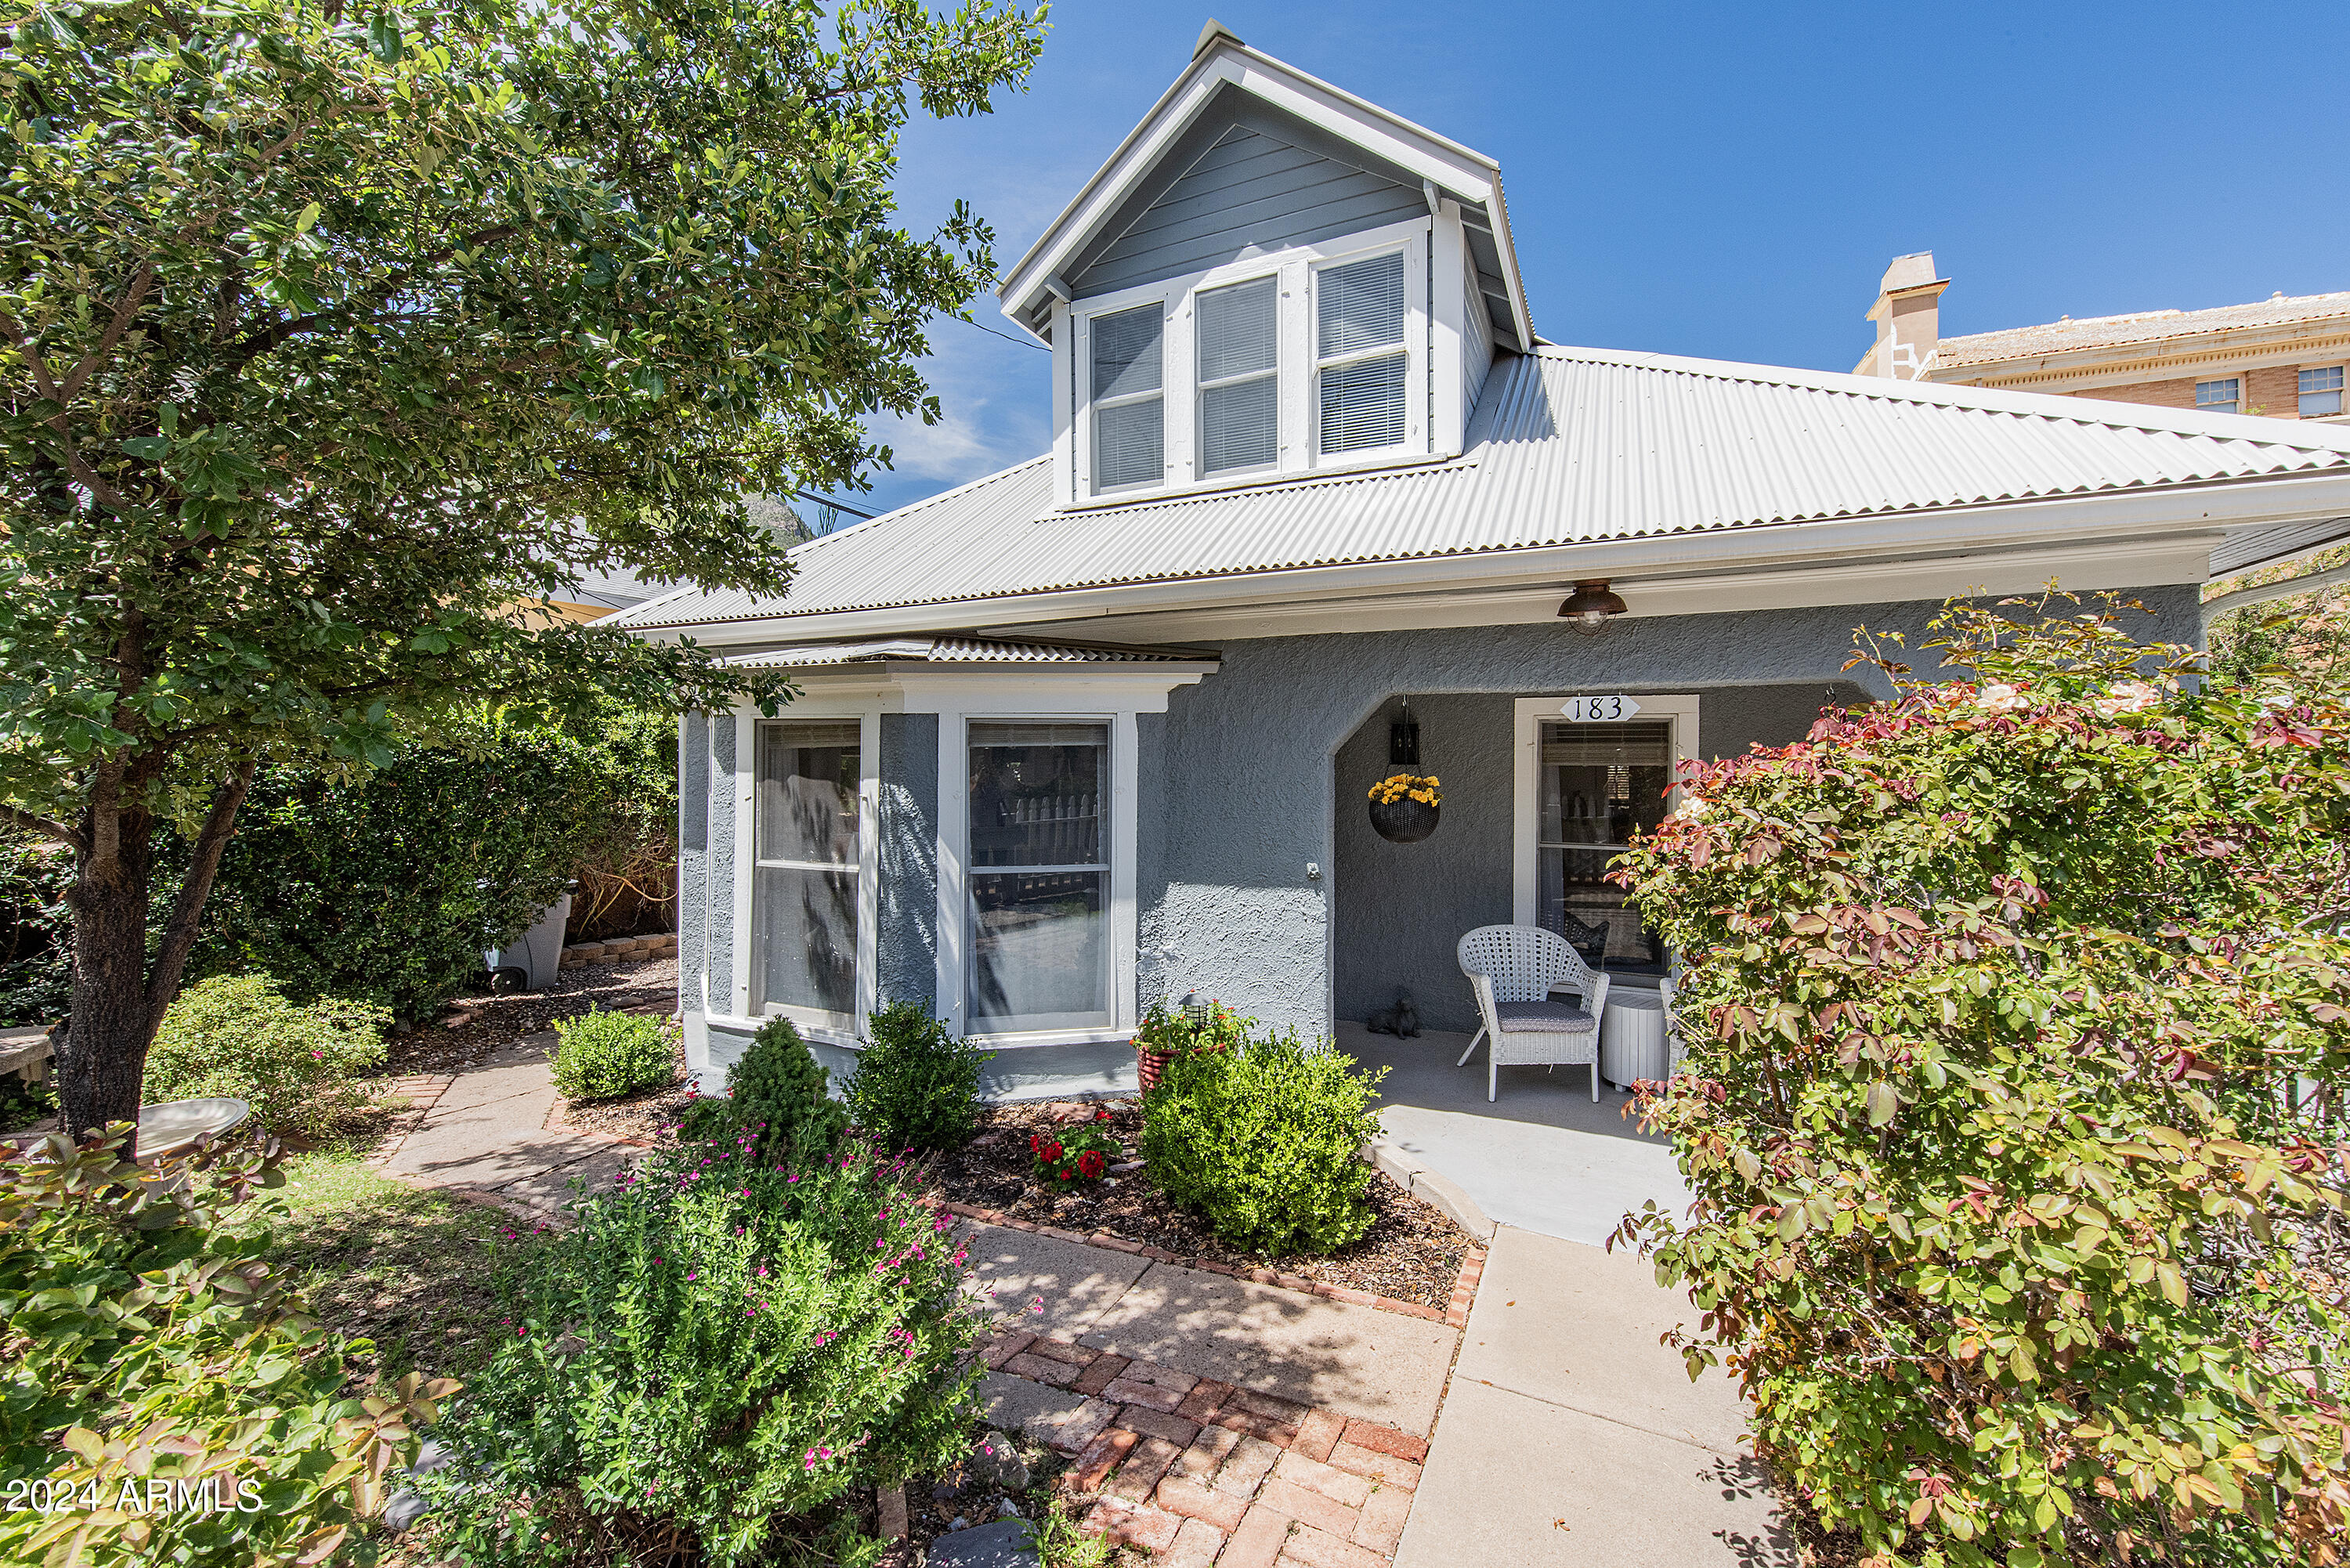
[[1426, 331], [953, 972], [1526, 859], [1199, 387], [1415, 345], [1091, 404], [831, 1028]]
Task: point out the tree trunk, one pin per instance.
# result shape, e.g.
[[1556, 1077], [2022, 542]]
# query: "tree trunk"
[[119, 995], [104, 1053]]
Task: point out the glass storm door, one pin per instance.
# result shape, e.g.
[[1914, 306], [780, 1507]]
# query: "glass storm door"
[[1598, 785], [805, 821], [1039, 861]]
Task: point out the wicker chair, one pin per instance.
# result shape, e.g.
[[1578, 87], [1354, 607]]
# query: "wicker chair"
[[1512, 968]]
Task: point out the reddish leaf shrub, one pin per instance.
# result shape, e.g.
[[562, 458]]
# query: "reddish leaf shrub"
[[2014, 1104]]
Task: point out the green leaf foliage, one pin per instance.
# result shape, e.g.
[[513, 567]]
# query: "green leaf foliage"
[[716, 1348], [35, 957], [1261, 1138], [603, 1054], [778, 1103], [916, 1087], [335, 342], [237, 1036], [2019, 1024], [149, 1345]]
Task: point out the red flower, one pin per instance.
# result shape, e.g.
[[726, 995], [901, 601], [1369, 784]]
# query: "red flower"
[[1051, 1151], [1090, 1163], [1035, 1142], [1067, 1174], [1102, 1115]]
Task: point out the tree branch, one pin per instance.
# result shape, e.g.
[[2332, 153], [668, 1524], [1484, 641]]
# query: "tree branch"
[[45, 826], [180, 930], [124, 313]]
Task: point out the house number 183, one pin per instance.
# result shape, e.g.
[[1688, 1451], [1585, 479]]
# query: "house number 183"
[[1599, 710]]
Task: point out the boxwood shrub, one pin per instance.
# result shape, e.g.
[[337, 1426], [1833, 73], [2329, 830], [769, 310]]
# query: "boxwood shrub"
[[603, 1055], [916, 1086], [1262, 1139]]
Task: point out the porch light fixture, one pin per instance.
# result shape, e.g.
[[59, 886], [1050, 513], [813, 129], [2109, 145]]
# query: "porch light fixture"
[[1587, 609]]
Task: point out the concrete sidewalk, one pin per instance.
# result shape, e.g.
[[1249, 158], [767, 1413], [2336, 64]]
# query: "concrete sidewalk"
[[1362, 1362], [487, 1134], [1571, 1438]]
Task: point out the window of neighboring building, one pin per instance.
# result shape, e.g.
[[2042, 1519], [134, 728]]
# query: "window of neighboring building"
[[1129, 413], [1240, 383], [2320, 392], [1039, 877], [805, 829], [1361, 360], [2220, 396]]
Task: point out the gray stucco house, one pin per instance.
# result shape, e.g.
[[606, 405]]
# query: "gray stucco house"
[[1097, 729]]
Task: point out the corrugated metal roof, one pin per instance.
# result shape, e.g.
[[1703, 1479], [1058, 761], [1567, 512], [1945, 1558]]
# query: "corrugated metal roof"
[[2138, 327], [1566, 446], [959, 650]]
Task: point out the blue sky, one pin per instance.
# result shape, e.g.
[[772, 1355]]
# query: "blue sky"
[[1729, 181]]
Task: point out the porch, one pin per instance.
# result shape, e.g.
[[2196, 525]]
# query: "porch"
[[1541, 1155]]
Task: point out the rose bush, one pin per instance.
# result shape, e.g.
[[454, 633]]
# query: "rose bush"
[[2019, 1024], [1079, 1152]]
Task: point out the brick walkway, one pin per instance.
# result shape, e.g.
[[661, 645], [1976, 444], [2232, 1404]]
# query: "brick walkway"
[[1194, 1471]]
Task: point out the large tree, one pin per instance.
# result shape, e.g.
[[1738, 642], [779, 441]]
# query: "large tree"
[[328, 337]]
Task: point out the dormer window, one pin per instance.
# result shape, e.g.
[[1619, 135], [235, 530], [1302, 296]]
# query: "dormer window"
[[1315, 358], [1240, 382], [1129, 411], [1361, 358]]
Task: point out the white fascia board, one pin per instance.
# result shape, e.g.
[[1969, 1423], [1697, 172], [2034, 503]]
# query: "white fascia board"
[[2008, 526], [1459, 170]]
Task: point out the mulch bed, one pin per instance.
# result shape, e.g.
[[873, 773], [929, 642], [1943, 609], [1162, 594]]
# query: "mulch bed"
[[1411, 1253], [474, 1026]]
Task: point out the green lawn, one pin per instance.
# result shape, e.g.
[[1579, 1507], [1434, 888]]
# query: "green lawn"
[[416, 1272]]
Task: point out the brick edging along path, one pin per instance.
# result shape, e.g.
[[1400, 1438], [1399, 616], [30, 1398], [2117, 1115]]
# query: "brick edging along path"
[[1195, 1471], [1455, 1313]]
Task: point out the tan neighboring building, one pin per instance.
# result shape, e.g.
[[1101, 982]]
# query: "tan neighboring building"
[[2281, 358]]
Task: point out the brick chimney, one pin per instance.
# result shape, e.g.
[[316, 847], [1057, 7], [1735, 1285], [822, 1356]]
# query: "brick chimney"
[[1906, 312]]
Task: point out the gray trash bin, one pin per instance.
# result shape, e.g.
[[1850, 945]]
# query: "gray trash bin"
[[538, 952]]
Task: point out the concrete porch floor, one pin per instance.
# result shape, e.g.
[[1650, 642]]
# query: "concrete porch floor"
[[1541, 1156]]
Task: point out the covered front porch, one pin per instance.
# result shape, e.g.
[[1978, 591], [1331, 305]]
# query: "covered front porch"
[[1541, 1155]]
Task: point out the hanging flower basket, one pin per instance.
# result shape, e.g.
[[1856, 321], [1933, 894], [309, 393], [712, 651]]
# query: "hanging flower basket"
[[1404, 808]]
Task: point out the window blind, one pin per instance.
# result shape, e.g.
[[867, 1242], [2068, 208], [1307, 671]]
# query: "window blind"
[[1130, 433], [1239, 417], [1359, 311]]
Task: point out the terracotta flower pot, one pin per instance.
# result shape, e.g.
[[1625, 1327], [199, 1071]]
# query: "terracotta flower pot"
[[1403, 820], [1150, 1065]]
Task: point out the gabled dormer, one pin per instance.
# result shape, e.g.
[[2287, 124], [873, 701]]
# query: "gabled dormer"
[[1270, 279]]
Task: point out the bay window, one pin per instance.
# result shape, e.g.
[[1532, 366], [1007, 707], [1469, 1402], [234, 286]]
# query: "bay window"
[[1239, 392], [1129, 409], [1362, 362], [1039, 877], [804, 823]]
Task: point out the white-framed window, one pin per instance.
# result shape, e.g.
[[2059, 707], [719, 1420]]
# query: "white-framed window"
[[1362, 355], [2224, 396], [806, 854], [1313, 358], [2321, 391], [1037, 865], [1128, 398], [1239, 364]]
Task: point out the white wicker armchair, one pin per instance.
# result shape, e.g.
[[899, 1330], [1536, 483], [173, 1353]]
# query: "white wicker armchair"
[[1513, 970]]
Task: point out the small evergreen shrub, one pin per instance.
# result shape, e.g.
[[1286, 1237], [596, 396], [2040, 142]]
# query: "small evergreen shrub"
[[148, 1342], [1262, 1140], [776, 1097], [605, 1055], [915, 1087], [712, 1354], [237, 1037]]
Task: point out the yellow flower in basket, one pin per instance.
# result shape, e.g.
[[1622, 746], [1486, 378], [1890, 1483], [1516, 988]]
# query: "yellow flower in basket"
[[1422, 788]]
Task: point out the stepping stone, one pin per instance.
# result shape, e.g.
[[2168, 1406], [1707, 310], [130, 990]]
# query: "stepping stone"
[[1003, 1544]]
